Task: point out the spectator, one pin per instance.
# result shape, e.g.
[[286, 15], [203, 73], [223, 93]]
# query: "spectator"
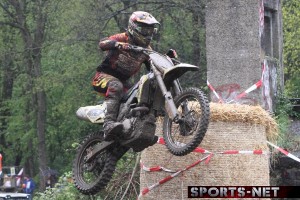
[[28, 186]]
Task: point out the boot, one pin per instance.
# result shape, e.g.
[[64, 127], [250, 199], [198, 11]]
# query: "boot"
[[112, 128]]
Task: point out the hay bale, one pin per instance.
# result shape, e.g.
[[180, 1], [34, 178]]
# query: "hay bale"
[[246, 114], [231, 128]]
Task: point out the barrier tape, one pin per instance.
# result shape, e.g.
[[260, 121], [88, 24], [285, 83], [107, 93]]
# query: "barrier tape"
[[250, 89], [160, 168], [284, 152], [207, 159], [155, 169], [197, 149], [203, 151], [19, 177], [161, 140], [168, 178], [258, 152], [243, 94], [214, 91]]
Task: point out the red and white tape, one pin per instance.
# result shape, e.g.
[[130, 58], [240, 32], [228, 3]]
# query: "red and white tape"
[[198, 149], [154, 169], [257, 85], [241, 95], [161, 140], [203, 151], [19, 177], [250, 89], [284, 152], [207, 159], [259, 152], [215, 93], [168, 178]]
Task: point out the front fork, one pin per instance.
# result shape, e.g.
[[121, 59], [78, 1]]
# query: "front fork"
[[177, 90], [177, 87], [169, 102]]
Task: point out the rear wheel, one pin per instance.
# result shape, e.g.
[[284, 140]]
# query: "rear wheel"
[[90, 177], [184, 136]]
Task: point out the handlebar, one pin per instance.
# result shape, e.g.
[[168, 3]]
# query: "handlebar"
[[148, 52], [139, 49]]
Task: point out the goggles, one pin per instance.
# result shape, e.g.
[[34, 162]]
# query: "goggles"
[[146, 30]]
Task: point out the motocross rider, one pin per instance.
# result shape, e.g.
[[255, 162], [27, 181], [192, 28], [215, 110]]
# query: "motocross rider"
[[120, 64]]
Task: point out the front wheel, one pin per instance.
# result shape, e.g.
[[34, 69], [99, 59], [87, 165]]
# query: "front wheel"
[[90, 177], [184, 136]]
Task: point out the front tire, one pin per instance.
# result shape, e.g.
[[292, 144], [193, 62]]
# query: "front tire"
[[183, 137], [90, 177]]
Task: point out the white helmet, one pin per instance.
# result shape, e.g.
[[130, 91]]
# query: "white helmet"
[[141, 27]]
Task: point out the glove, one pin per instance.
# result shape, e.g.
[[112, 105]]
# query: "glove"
[[172, 53], [122, 45]]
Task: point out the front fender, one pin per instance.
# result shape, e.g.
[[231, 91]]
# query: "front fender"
[[178, 70]]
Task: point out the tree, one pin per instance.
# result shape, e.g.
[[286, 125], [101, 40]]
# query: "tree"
[[291, 32], [30, 19], [7, 79], [55, 48]]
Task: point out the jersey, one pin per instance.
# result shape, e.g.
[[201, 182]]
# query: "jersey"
[[119, 63]]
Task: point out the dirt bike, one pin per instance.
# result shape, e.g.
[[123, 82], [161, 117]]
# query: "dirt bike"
[[185, 121]]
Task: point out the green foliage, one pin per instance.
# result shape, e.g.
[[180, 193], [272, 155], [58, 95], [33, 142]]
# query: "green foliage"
[[69, 57], [63, 190], [283, 110], [291, 29], [125, 181]]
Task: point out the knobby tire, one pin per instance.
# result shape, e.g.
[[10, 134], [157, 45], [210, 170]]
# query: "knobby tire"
[[106, 171], [201, 127]]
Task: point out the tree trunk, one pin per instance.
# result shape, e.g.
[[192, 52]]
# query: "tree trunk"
[[41, 121], [198, 55], [33, 42], [196, 40], [40, 94], [7, 87], [7, 80]]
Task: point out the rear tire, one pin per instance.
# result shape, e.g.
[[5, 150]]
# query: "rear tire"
[[182, 138], [89, 178]]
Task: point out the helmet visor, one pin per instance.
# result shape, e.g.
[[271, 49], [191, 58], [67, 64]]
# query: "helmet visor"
[[146, 30]]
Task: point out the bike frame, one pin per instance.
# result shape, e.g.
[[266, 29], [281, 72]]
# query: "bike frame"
[[166, 79]]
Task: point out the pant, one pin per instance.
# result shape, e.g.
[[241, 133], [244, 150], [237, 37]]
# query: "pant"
[[112, 88]]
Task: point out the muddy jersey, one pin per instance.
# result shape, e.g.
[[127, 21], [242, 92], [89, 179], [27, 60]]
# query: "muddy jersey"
[[121, 64]]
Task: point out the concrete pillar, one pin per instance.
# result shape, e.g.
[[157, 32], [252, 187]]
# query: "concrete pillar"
[[242, 39]]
